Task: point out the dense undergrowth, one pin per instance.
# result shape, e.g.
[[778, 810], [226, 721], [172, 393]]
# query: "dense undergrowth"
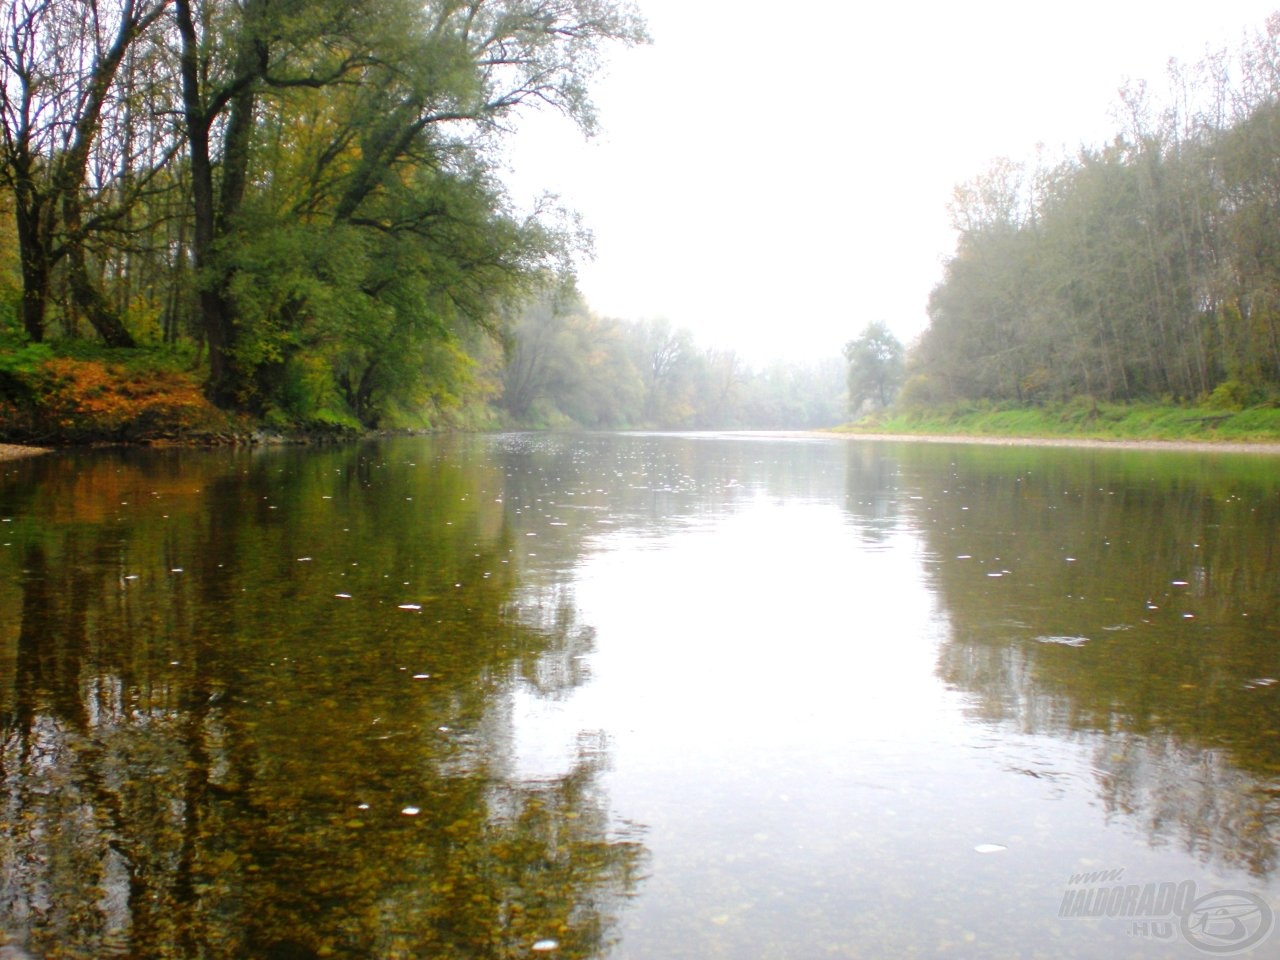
[[81, 394]]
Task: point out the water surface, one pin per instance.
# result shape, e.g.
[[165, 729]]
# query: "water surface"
[[635, 696]]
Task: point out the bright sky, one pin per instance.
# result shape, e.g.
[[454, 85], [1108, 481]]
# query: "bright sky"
[[776, 181]]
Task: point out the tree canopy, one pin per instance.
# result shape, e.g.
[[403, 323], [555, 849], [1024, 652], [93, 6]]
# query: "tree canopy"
[[1146, 268], [321, 213]]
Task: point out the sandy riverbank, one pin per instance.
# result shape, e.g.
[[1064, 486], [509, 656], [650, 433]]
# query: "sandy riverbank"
[[9, 451], [1205, 446]]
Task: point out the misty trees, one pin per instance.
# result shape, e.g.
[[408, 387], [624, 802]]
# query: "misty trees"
[[876, 362], [555, 349], [1142, 269], [565, 366]]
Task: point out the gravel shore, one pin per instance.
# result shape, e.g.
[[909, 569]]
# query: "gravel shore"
[[9, 451], [1206, 446]]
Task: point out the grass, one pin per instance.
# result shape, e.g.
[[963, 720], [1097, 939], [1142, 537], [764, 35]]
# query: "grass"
[[1080, 419]]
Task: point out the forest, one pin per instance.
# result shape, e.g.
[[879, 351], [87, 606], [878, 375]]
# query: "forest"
[[295, 208], [292, 212], [1144, 269]]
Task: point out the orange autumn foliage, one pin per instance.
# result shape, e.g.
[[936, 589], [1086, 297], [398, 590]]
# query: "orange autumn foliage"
[[76, 401]]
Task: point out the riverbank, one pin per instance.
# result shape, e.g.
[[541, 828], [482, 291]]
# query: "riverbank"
[[9, 451], [1082, 421], [1270, 447]]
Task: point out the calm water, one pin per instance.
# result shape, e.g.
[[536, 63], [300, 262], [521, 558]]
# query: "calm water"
[[638, 696]]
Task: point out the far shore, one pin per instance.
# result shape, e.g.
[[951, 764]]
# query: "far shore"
[[9, 451], [1270, 447]]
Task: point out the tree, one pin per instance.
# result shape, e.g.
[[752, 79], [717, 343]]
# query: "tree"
[[876, 362], [375, 121], [58, 70]]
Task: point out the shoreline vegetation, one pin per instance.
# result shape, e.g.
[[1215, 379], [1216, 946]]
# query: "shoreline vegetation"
[[1083, 421], [320, 266], [149, 421]]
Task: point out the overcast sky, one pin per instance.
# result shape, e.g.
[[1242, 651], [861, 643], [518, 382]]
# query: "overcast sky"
[[775, 181]]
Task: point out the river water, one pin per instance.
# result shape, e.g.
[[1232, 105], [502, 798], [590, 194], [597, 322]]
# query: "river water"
[[639, 696]]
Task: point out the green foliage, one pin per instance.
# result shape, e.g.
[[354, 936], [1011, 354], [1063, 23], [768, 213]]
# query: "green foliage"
[[20, 358], [876, 365], [1231, 395], [332, 182], [20, 367], [1144, 269], [1080, 418]]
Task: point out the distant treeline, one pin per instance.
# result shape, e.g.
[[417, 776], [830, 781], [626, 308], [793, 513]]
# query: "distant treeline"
[[565, 365], [1146, 268]]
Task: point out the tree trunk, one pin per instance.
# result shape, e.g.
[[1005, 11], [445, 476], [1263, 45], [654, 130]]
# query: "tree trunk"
[[102, 315], [215, 316], [213, 213], [33, 251]]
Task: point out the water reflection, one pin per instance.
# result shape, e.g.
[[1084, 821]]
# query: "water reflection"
[[642, 696], [1128, 600], [259, 706]]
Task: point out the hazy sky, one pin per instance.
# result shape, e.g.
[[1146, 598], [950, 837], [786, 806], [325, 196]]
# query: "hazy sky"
[[775, 181]]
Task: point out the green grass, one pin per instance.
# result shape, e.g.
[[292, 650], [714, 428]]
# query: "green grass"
[[1080, 419]]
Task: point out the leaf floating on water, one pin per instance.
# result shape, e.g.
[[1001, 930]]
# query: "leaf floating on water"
[[1064, 641], [990, 848]]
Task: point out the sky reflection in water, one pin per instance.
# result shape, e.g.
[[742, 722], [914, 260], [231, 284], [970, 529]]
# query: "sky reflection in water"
[[795, 714]]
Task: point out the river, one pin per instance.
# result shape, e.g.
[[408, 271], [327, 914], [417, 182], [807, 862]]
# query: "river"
[[639, 696]]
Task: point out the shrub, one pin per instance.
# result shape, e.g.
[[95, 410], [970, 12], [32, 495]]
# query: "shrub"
[[1230, 395]]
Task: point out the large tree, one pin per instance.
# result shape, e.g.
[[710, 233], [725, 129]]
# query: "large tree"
[[876, 359], [375, 122]]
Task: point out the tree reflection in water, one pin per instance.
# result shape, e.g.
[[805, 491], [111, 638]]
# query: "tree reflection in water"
[[1126, 601], [224, 737]]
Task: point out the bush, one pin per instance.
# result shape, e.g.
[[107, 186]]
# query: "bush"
[[1230, 395], [66, 400], [20, 365]]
